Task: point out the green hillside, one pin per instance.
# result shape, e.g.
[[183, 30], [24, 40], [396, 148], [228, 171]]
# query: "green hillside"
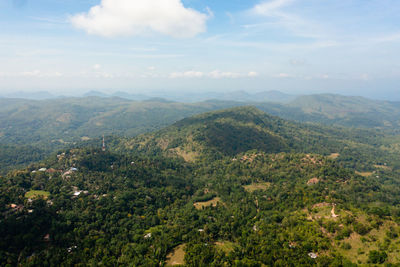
[[234, 187], [56, 122], [225, 132], [39, 128], [349, 111], [231, 131], [65, 120]]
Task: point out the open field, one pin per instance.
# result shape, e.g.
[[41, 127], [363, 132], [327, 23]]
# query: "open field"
[[256, 186], [225, 246], [334, 155], [177, 256], [213, 202], [383, 167], [37, 194], [365, 174]]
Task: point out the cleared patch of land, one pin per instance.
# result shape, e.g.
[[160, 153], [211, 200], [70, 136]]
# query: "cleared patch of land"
[[37, 194], [85, 138], [65, 118], [213, 202], [324, 210], [383, 167], [177, 256], [188, 156], [365, 174], [256, 186], [225, 246], [334, 155]]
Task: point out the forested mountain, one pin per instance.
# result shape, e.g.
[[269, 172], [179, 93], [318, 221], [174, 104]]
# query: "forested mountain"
[[42, 127], [70, 119], [234, 187], [349, 111], [231, 131]]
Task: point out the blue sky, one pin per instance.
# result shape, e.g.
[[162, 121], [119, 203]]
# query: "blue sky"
[[295, 46]]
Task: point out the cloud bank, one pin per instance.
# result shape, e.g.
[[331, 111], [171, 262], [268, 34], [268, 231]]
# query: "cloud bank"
[[136, 17]]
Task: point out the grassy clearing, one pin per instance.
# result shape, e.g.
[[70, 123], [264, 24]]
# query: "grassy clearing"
[[334, 155], [225, 246], [326, 211], [256, 186], [188, 156], [321, 212], [213, 202], [365, 174], [362, 245], [383, 167], [177, 256], [37, 194]]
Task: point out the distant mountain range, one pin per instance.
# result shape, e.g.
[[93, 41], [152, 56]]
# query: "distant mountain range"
[[266, 96], [70, 119], [42, 126], [30, 95]]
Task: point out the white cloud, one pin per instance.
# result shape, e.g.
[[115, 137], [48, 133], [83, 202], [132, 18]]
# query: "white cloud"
[[391, 37], [32, 74], [365, 77], [284, 75], [210, 12], [278, 17], [187, 74], [39, 74], [134, 17], [252, 74], [297, 62], [268, 8], [231, 17], [216, 74], [96, 66]]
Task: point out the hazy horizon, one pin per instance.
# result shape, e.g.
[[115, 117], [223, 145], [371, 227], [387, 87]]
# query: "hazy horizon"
[[182, 96]]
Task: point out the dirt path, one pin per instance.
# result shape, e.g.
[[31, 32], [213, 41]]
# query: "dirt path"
[[333, 211]]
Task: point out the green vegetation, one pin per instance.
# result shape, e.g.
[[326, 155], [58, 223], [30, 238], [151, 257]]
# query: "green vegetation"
[[256, 186], [348, 111], [31, 130], [37, 194], [262, 191]]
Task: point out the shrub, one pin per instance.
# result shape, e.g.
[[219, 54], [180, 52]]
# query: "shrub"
[[377, 256]]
